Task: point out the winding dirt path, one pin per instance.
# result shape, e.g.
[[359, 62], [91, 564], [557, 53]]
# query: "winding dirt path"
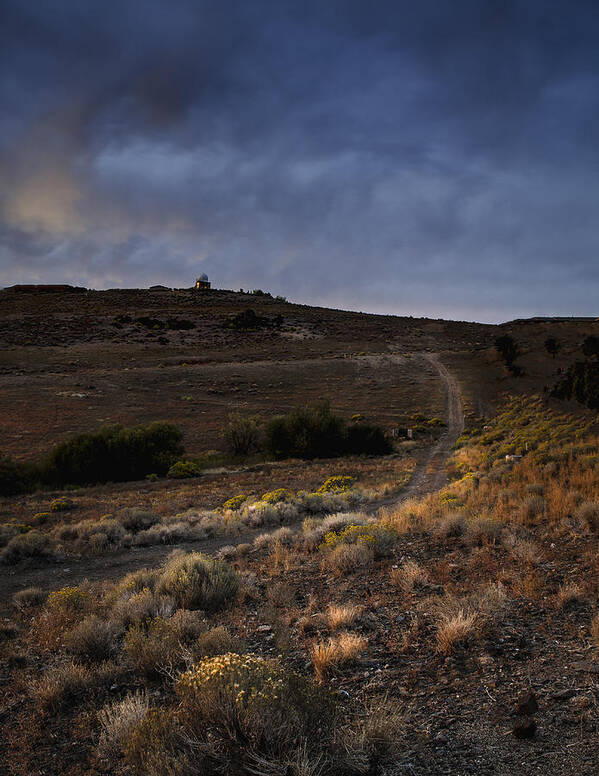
[[431, 475], [428, 477]]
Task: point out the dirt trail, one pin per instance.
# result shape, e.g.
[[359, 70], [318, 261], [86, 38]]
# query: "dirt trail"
[[431, 475], [428, 477]]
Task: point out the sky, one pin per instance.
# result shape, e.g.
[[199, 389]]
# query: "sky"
[[417, 158]]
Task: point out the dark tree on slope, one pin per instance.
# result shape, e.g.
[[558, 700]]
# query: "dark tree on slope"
[[590, 346], [580, 382], [552, 346]]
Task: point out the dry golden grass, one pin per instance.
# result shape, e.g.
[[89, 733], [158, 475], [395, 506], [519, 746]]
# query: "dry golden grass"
[[454, 629], [342, 616], [335, 652], [409, 576], [347, 558], [569, 594]]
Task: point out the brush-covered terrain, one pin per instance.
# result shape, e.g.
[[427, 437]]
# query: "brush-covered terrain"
[[278, 578]]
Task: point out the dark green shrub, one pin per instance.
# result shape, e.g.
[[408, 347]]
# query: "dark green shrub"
[[16, 477], [312, 432], [580, 382], [242, 434], [367, 439], [552, 346], [590, 346], [315, 432], [507, 348], [114, 454]]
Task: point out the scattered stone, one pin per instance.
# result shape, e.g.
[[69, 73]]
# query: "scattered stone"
[[527, 704]]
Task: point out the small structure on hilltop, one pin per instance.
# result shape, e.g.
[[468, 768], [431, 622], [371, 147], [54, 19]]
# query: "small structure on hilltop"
[[202, 283]]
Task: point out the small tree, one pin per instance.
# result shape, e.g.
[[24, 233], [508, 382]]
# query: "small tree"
[[507, 348], [590, 346], [552, 346], [242, 434]]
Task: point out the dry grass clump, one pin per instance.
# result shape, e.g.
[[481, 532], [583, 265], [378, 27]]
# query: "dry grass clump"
[[92, 638], [587, 515], [138, 607], [29, 596], [532, 508], [137, 519], [454, 629], [450, 526], [64, 684], [118, 720], [154, 644], [408, 576], [525, 551], [460, 619], [484, 530], [377, 734], [337, 651], [342, 616], [569, 594], [349, 557], [198, 581], [283, 535]]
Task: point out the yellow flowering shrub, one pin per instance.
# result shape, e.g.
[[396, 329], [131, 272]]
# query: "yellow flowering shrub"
[[338, 483], [68, 600], [235, 502], [61, 504], [253, 702], [377, 537], [276, 496]]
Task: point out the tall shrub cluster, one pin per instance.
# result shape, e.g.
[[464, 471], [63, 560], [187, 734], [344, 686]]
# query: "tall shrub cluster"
[[111, 454], [114, 454], [315, 432], [580, 382]]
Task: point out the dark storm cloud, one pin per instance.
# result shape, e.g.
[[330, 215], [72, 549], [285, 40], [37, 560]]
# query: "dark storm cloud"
[[420, 158]]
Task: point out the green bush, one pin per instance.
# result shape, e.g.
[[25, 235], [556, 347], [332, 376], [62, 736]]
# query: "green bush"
[[198, 581], [16, 477], [315, 432], [367, 439], [581, 382], [114, 454]]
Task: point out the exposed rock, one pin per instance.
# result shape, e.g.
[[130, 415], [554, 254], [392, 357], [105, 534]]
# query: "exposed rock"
[[525, 728], [527, 704]]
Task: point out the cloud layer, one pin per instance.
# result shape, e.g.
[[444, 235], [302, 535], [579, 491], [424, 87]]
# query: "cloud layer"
[[418, 158]]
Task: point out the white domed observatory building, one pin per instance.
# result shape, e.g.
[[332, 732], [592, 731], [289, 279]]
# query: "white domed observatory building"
[[202, 283]]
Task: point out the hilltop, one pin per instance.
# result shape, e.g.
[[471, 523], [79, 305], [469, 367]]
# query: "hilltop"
[[430, 609]]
